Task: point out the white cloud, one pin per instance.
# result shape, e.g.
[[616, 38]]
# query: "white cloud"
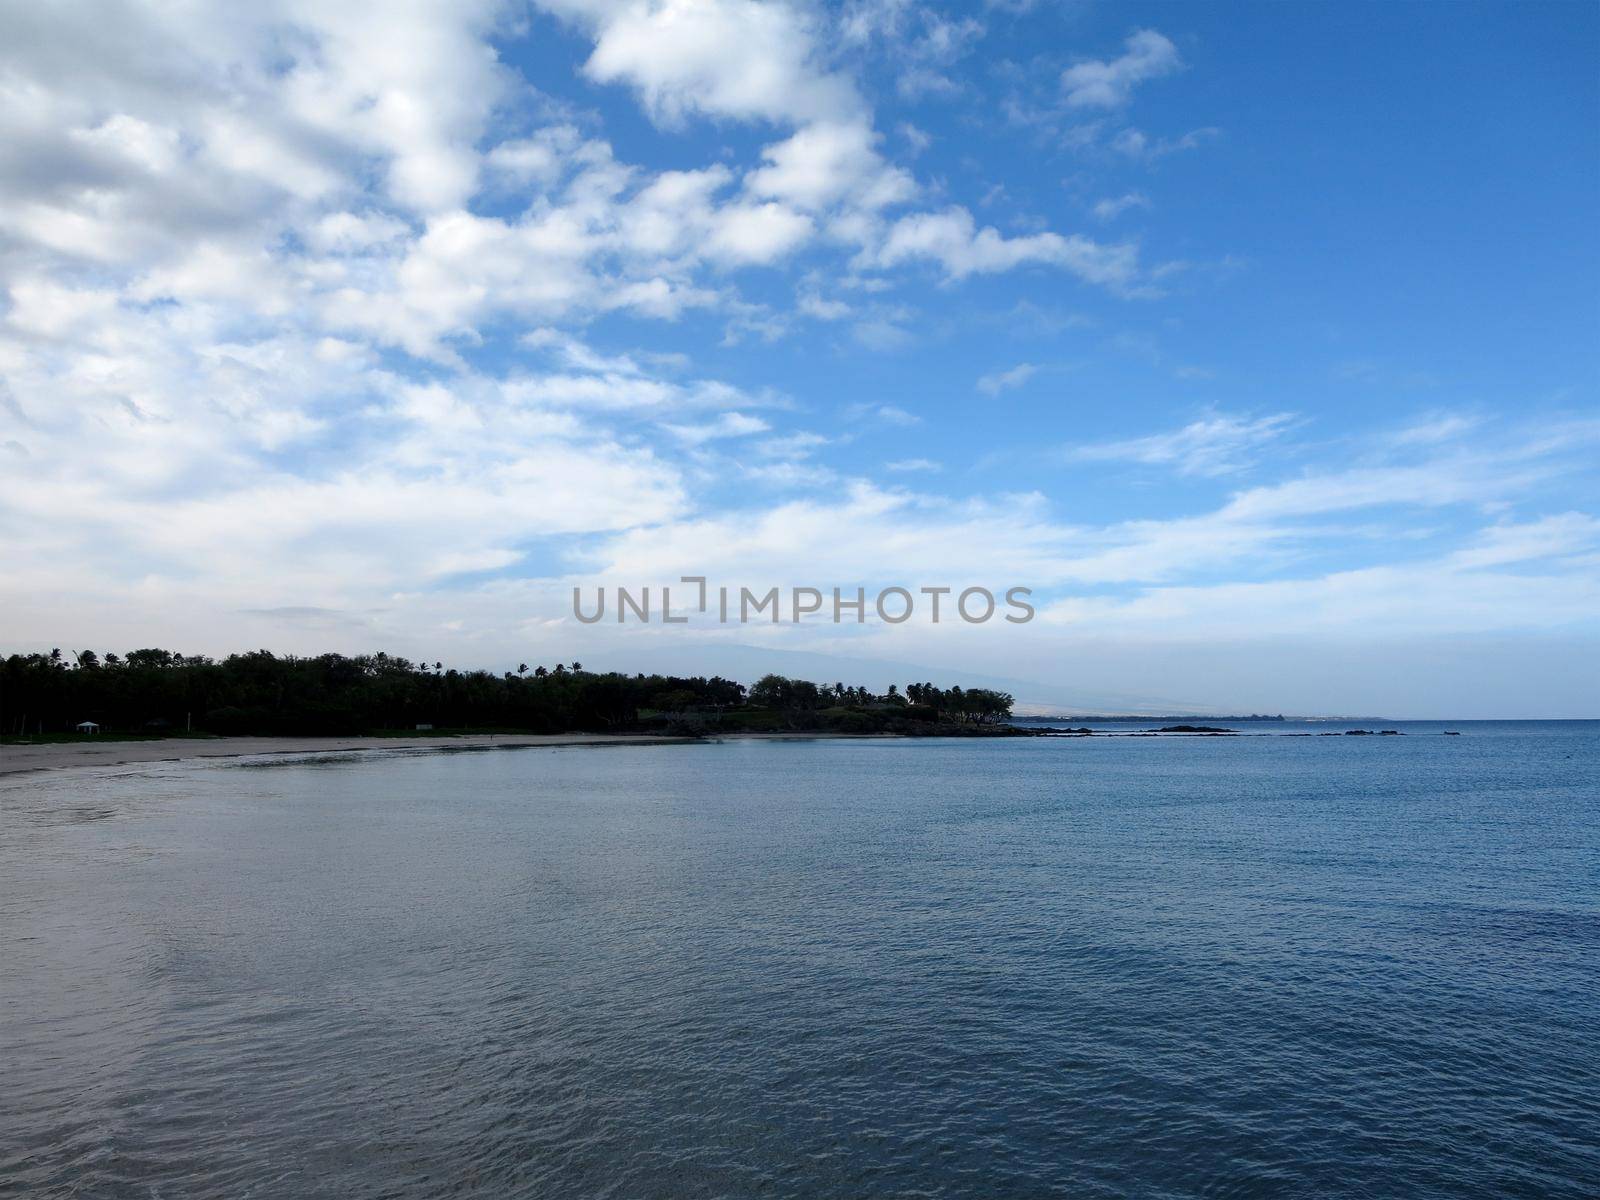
[[1140, 572], [1113, 207], [757, 233], [882, 334], [863, 20], [825, 162], [812, 304], [917, 139], [999, 381], [1431, 485], [1530, 541], [1442, 428], [1425, 599], [1137, 145], [1109, 84], [920, 43], [929, 57], [951, 239], [256, 258], [1215, 445], [185, 488], [347, 232], [539, 160], [886, 414], [874, 534], [728, 425], [1554, 587], [943, 41], [792, 445], [721, 58], [675, 57]]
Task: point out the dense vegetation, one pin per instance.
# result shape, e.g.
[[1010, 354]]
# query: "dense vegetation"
[[147, 691]]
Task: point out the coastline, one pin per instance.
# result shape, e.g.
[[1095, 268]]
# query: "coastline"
[[20, 760], [65, 756]]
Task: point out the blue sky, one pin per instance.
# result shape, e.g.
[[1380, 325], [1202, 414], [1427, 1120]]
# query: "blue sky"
[[1258, 340]]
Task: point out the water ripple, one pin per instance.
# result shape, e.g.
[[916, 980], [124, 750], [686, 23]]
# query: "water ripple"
[[1253, 968]]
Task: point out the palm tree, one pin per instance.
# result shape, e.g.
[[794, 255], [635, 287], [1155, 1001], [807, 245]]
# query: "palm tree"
[[576, 666], [522, 668]]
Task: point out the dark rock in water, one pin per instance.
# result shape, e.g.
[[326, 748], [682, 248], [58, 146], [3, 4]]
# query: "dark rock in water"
[[1452, 733], [1368, 733], [1191, 729], [1388, 733]]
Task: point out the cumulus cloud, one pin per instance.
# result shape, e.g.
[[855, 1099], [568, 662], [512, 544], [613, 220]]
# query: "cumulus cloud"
[[321, 318], [953, 240], [1110, 83], [756, 233], [722, 58], [188, 483], [826, 162]]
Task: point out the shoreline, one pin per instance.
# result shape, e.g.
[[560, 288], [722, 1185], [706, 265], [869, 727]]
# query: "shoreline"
[[67, 756], [20, 760]]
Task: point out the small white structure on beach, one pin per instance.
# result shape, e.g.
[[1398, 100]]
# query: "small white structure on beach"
[[87, 727]]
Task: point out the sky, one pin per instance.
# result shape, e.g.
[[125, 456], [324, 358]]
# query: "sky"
[[1258, 341]]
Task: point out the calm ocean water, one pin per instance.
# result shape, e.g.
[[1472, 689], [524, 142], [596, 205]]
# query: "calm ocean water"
[[1265, 966]]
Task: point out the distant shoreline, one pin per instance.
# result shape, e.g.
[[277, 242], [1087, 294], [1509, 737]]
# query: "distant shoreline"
[[1170, 718]]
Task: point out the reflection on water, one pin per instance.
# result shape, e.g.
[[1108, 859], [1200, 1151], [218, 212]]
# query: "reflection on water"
[[1254, 966]]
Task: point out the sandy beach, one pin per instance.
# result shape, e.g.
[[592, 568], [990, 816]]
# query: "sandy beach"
[[16, 760]]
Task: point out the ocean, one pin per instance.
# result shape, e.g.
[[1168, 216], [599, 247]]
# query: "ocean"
[[1266, 966]]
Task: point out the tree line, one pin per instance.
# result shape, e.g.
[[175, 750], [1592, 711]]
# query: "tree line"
[[974, 705], [161, 691]]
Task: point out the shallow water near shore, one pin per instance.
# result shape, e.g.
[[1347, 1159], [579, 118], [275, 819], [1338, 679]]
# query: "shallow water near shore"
[[1263, 966]]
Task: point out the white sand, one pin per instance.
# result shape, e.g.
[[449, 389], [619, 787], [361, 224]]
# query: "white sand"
[[92, 753]]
